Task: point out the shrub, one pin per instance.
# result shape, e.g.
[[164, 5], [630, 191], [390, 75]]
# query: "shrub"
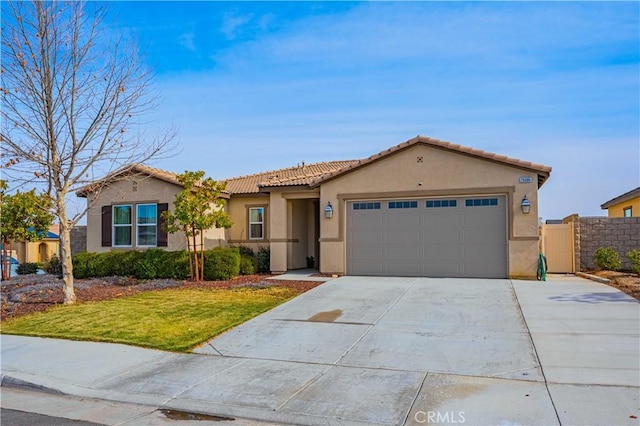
[[246, 251], [634, 257], [264, 259], [248, 265], [607, 258], [221, 263], [53, 266], [175, 265], [84, 265], [27, 268]]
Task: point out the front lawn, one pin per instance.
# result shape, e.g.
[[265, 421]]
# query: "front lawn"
[[172, 320]]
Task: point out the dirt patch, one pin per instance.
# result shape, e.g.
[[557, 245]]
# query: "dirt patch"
[[626, 282], [25, 294], [328, 316]]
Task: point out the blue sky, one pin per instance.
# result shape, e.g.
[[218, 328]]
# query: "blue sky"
[[258, 86]]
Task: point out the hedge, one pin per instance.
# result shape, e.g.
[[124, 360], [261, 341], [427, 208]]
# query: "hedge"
[[220, 263]]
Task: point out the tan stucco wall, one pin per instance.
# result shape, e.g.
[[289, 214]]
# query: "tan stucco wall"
[[291, 228], [617, 210], [238, 209], [438, 173], [30, 251], [137, 191]]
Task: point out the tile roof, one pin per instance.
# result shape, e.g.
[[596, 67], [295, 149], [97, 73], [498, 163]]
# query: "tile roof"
[[621, 198], [542, 171], [302, 174], [140, 169]]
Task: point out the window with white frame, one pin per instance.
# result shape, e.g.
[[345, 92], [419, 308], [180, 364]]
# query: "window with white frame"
[[122, 225], [256, 223], [147, 225]]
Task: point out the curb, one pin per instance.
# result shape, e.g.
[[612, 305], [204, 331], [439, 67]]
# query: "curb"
[[12, 382], [593, 278]]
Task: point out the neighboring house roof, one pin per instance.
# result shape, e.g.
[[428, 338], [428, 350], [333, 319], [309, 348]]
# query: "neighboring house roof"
[[627, 196], [542, 171], [302, 174], [48, 234]]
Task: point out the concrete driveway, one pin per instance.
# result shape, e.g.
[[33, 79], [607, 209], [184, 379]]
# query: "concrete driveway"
[[362, 350]]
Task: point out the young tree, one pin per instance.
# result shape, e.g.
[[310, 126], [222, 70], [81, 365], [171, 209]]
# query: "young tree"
[[71, 95], [24, 216], [198, 207]]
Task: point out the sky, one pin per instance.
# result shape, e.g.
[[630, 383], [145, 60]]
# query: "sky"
[[256, 86]]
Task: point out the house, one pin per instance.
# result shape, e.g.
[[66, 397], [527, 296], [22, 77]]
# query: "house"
[[424, 207], [38, 251], [625, 205]]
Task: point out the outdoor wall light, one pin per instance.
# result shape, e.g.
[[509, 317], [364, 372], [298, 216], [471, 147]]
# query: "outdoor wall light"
[[328, 210], [525, 205]]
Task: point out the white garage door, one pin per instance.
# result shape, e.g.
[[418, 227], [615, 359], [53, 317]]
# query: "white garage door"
[[443, 237]]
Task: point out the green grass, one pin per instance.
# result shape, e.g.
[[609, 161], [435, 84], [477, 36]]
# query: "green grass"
[[172, 320]]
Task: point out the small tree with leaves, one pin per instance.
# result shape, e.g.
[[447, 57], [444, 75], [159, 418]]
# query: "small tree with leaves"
[[24, 216], [198, 208]]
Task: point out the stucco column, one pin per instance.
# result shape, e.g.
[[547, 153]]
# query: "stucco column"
[[278, 232]]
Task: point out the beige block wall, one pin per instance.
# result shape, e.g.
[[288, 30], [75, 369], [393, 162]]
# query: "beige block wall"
[[136, 191], [421, 171]]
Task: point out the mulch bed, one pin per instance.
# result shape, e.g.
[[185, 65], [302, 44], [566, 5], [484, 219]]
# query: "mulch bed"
[[25, 294], [626, 282]]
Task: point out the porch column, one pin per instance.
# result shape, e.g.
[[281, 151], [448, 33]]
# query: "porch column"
[[278, 232]]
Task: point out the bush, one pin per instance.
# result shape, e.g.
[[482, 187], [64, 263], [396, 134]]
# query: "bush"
[[53, 266], [27, 268], [634, 257], [264, 259], [607, 258], [175, 265], [84, 265], [144, 265], [246, 251], [221, 263], [248, 265]]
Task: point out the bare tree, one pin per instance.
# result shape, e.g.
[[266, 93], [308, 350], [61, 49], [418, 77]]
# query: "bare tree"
[[73, 93]]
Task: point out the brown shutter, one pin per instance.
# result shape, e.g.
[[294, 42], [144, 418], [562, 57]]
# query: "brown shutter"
[[106, 226], [162, 234]]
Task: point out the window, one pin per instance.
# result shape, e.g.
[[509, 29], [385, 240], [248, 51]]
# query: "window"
[[403, 204], [122, 225], [481, 202], [147, 225], [627, 212], [441, 203], [256, 223], [366, 206]]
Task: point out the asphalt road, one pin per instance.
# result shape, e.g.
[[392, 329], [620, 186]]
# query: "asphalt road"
[[22, 418]]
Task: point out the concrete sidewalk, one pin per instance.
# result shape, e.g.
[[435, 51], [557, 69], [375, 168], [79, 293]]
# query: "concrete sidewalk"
[[368, 350]]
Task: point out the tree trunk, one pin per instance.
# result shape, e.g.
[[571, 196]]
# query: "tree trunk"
[[195, 258], [5, 261], [202, 254], [65, 256]]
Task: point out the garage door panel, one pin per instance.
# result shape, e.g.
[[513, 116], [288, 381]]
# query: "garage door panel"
[[404, 237], [402, 221], [366, 268], [404, 253], [465, 238], [367, 252], [367, 237], [441, 252]]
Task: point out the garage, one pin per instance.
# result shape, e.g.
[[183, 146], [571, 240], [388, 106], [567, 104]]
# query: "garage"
[[428, 237]]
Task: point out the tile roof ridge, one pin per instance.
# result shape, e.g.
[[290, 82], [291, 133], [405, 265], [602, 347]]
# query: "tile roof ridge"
[[288, 169]]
